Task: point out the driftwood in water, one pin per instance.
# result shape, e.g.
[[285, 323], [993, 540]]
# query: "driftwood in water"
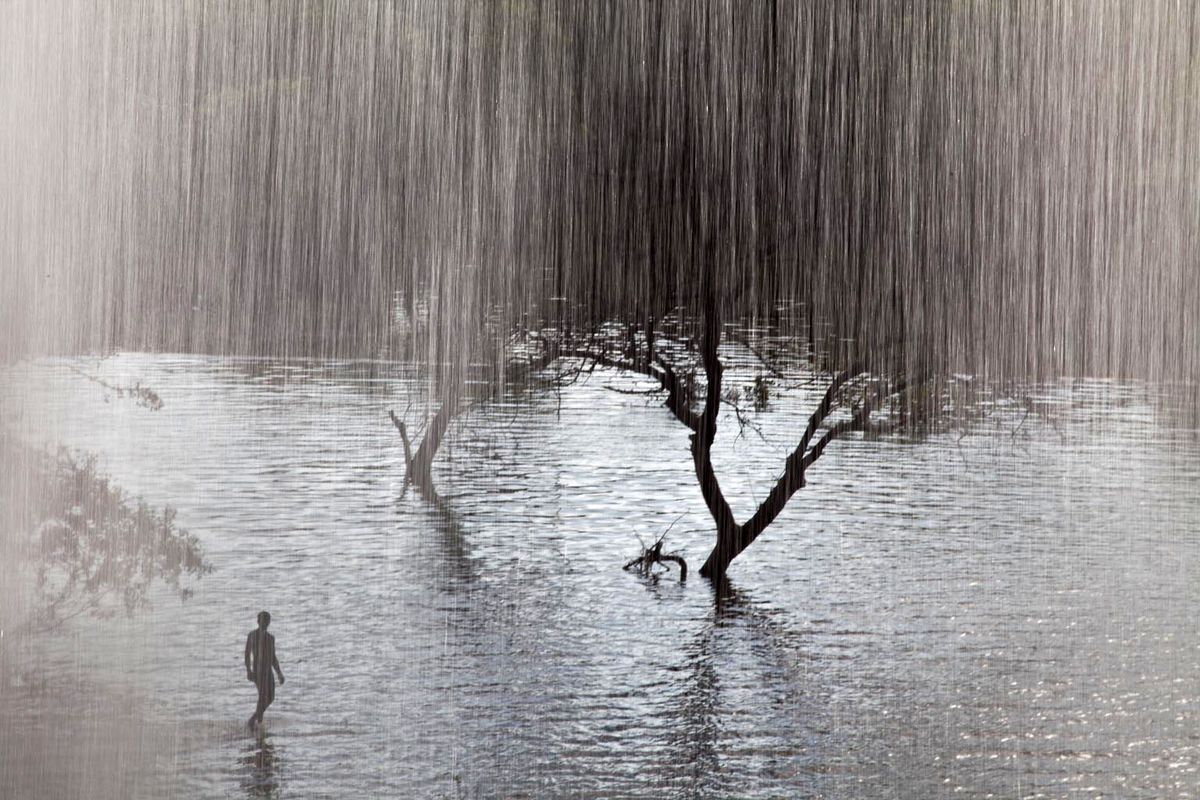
[[654, 555]]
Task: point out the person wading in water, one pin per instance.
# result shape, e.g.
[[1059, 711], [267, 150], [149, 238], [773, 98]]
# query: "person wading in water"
[[260, 661]]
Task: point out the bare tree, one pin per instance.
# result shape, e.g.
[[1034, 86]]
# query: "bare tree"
[[689, 374]]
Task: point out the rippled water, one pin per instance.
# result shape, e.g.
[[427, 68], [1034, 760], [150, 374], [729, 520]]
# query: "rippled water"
[[1007, 612]]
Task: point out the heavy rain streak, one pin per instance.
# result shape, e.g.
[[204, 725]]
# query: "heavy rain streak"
[[690, 398]]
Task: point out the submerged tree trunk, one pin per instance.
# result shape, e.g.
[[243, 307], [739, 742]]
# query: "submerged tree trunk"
[[732, 538], [728, 531], [419, 465], [454, 399]]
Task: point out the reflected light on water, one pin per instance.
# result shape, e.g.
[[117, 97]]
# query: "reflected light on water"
[[961, 614]]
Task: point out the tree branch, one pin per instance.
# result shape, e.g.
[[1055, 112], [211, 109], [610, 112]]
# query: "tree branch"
[[677, 399], [825, 407], [654, 555], [678, 560], [407, 447], [706, 431], [658, 370], [420, 468], [861, 421], [792, 479], [763, 361]]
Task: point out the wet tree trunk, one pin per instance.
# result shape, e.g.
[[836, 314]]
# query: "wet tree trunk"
[[454, 399], [732, 538], [419, 465], [728, 531]]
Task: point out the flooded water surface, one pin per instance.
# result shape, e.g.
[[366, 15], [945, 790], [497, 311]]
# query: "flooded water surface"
[[1001, 611]]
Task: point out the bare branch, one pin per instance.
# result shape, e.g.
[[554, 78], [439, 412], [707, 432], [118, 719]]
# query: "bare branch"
[[802, 457], [660, 371], [766, 363], [745, 422], [825, 406], [683, 568], [143, 395], [654, 555], [635, 392], [677, 399], [407, 446], [861, 421]]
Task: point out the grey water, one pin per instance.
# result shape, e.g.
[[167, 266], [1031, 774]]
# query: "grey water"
[[1003, 610], [983, 194]]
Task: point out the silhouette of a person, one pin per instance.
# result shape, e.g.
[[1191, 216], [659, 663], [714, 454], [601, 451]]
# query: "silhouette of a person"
[[260, 661]]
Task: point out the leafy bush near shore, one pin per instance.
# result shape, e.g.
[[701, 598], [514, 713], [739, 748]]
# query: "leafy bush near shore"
[[82, 545]]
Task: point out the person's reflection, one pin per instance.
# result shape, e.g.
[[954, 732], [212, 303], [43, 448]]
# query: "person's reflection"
[[260, 771]]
